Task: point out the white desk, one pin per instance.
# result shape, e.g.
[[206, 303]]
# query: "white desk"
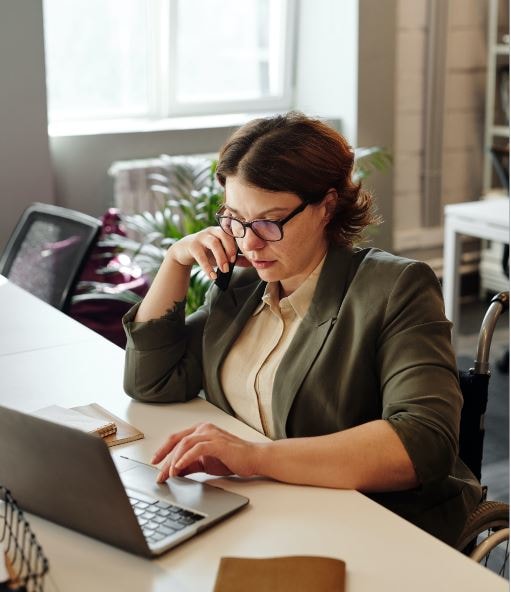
[[486, 219], [382, 551], [28, 323]]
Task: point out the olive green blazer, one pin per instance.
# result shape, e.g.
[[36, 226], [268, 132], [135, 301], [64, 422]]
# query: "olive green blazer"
[[374, 344]]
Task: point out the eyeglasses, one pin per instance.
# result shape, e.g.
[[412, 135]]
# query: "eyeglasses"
[[267, 230]]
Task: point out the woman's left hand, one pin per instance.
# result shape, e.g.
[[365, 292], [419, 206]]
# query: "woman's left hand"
[[205, 447]]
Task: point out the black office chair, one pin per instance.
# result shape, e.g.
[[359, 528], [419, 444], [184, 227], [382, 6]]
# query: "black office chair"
[[47, 251], [485, 537]]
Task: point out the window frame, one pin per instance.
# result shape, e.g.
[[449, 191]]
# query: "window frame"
[[278, 103], [161, 56]]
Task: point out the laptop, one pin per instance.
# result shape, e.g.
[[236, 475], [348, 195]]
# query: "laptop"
[[69, 477]]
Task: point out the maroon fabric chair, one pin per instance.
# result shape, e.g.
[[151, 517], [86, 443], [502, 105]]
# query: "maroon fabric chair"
[[108, 286]]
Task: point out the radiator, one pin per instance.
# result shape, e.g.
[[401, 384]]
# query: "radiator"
[[144, 184], [132, 193]]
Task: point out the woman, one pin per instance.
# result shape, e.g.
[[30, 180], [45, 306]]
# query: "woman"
[[341, 356]]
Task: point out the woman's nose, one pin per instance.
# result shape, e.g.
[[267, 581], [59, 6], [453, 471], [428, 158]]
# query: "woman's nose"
[[251, 242]]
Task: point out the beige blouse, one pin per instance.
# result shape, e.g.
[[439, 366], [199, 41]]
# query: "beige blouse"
[[249, 369]]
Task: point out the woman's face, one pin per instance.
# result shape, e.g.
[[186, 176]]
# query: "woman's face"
[[303, 245]]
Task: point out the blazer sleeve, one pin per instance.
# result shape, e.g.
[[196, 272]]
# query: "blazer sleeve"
[[421, 396], [163, 361]]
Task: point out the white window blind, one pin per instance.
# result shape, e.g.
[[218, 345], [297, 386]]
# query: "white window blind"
[[113, 59]]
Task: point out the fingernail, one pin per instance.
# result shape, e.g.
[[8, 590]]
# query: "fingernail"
[[225, 267], [212, 275], [158, 479]]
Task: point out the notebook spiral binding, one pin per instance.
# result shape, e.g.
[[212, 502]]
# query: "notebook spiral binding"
[[26, 560]]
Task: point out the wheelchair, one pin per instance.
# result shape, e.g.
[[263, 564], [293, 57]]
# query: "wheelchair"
[[485, 537]]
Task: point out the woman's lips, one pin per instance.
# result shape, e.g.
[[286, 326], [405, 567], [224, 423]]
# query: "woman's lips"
[[244, 261], [262, 264]]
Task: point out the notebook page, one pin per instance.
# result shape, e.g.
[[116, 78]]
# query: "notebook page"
[[75, 419]]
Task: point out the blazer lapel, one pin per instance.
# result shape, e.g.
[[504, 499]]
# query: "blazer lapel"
[[232, 310], [338, 270]]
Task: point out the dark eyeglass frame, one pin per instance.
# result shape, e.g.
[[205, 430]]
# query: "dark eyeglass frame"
[[279, 223]]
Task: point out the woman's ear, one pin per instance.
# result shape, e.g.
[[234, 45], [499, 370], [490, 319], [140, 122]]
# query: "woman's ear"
[[330, 202]]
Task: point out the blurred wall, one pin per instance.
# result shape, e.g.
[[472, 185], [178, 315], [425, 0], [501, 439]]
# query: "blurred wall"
[[25, 165], [461, 98]]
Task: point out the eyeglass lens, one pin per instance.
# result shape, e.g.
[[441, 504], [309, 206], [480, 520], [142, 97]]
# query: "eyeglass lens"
[[265, 229]]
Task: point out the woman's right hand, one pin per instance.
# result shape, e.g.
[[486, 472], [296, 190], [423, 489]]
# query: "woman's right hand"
[[210, 248]]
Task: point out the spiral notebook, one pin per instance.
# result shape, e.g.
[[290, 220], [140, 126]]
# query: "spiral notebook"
[[125, 432], [93, 419]]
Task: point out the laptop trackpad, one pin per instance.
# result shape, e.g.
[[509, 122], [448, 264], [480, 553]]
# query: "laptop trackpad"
[[142, 478]]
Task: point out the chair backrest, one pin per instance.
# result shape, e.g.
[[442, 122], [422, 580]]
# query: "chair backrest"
[[474, 387], [47, 251]]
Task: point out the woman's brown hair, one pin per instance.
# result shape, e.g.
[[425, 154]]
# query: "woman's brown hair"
[[297, 154]]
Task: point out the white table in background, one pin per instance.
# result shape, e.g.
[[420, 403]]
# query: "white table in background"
[[485, 219], [382, 551]]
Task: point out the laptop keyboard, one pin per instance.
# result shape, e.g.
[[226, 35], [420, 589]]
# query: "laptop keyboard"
[[160, 519]]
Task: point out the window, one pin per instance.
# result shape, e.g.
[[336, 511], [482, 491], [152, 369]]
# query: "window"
[[108, 59]]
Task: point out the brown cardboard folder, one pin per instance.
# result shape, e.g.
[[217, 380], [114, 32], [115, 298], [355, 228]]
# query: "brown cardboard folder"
[[281, 574]]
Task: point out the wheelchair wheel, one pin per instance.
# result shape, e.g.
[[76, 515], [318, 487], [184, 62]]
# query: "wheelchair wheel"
[[485, 537]]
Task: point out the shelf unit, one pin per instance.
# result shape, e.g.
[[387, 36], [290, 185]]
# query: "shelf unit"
[[496, 129], [496, 133]]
